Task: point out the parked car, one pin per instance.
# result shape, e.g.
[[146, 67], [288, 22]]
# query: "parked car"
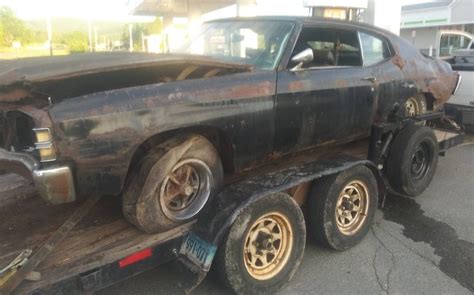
[[161, 130], [461, 105]]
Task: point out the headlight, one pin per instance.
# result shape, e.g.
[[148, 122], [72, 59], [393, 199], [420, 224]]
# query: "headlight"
[[44, 144]]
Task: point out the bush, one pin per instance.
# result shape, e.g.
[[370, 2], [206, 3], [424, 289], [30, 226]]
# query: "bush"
[[76, 41]]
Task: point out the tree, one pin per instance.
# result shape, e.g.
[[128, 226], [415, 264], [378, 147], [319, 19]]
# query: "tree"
[[76, 41], [12, 28], [1, 33], [155, 27]]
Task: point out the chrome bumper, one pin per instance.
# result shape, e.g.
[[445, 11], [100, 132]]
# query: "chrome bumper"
[[55, 185], [458, 84]]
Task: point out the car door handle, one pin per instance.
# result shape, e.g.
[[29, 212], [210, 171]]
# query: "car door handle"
[[371, 79]]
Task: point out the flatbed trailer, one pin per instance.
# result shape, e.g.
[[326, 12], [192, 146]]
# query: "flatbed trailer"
[[104, 249]]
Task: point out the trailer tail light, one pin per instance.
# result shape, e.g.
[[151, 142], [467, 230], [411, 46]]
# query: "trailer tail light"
[[136, 257]]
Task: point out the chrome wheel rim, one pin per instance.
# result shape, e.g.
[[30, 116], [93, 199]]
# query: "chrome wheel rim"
[[186, 189], [268, 246], [352, 207]]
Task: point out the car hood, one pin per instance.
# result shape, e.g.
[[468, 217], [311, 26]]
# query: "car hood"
[[41, 69], [34, 80]]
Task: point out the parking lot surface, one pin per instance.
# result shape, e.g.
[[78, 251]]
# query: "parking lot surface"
[[423, 245]]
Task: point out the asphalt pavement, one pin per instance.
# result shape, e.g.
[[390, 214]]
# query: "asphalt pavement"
[[416, 246]]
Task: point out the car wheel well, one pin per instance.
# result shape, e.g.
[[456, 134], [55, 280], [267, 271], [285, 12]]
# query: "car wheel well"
[[300, 192], [216, 137], [430, 100]]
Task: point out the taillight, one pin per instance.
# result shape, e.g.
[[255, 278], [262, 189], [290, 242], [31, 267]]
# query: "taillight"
[[136, 257]]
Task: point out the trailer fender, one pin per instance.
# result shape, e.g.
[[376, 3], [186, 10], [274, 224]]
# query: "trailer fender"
[[219, 216], [233, 199]]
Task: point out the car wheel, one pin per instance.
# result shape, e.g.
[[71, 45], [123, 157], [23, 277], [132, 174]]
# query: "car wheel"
[[180, 194], [415, 105], [264, 246], [342, 208], [412, 160]]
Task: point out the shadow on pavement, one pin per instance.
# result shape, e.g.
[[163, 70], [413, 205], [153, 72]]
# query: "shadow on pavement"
[[457, 255]]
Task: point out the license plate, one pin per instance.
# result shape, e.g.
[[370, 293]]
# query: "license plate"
[[198, 251]]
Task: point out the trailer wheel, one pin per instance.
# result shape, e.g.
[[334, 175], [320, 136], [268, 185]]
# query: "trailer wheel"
[[264, 246], [412, 161], [180, 193], [342, 208]]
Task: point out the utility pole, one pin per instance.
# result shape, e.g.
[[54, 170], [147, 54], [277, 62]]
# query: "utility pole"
[[50, 35], [95, 39], [130, 31], [90, 35]]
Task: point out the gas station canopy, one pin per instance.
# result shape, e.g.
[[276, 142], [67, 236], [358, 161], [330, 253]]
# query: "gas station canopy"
[[178, 8], [358, 4]]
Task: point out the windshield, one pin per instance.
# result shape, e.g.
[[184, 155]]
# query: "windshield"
[[258, 43]]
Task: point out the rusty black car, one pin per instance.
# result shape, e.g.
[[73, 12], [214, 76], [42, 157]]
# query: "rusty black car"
[[162, 130]]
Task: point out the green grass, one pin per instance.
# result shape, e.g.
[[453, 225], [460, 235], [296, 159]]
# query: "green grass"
[[10, 53]]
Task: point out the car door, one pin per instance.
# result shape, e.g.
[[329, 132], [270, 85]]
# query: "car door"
[[390, 86], [328, 101]]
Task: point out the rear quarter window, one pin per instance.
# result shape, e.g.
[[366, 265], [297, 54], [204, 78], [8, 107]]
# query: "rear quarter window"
[[374, 49]]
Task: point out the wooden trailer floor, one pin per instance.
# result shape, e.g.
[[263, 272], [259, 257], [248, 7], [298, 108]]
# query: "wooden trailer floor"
[[102, 237]]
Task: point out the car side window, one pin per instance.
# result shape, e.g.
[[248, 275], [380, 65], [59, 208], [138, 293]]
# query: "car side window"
[[374, 49], [331, 47]]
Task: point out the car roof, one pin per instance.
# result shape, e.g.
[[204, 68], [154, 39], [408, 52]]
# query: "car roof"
[[311, 21]]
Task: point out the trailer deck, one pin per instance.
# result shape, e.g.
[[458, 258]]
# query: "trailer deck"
[[104, 237]]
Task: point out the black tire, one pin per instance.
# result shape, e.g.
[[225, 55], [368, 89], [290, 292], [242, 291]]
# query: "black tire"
[[324, 220], [403, 169], [152, 215], [233, 268]]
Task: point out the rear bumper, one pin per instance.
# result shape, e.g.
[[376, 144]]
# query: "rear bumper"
[[55, 185], [458, 84], [463, 114]]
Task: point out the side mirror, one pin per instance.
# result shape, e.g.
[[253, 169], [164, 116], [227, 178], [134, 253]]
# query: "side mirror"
[[304, 57]]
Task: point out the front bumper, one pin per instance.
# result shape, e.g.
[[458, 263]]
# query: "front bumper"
[[55, 185]]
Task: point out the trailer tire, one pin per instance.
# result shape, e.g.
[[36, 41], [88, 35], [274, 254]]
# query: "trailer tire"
[[342, 208], [272, 227], [412, 160], [196, 175]]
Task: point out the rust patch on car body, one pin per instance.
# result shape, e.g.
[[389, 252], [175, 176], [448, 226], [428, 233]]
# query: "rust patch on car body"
[[398, 61]]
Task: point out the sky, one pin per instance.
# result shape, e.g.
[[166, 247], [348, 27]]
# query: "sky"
[[116, 10]]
